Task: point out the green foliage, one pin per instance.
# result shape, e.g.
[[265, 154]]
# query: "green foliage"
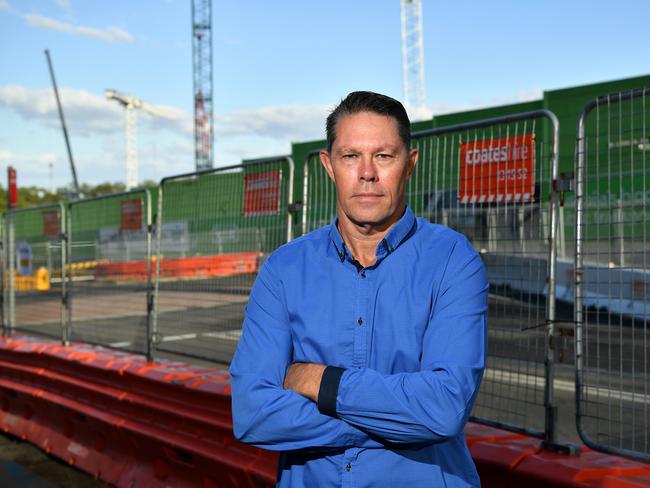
[[33, 196]]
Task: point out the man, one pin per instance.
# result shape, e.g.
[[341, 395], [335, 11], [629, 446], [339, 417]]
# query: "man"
[[364, 341]]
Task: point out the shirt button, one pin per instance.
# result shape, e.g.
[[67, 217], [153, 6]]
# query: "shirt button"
[[363, 274], [359, 321], [348, 468]]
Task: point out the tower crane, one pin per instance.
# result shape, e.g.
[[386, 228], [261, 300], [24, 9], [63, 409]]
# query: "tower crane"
[[130, 103], [413, 58], [202, 65]]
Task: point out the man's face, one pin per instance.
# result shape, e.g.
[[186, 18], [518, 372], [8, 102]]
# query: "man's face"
[[369, 165]]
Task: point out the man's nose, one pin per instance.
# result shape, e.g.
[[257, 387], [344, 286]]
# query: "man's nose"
[[367, 170]]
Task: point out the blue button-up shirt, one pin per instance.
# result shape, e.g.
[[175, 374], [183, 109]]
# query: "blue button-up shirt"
[[409, 334]]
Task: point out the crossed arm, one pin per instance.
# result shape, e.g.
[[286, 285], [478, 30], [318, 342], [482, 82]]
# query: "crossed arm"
[[305, 379], [276, 403]]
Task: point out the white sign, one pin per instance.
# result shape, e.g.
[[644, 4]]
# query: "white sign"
[[24, 258]]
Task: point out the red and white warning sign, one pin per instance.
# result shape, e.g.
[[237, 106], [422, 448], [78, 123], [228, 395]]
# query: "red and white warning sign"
[[51, 228], [131, 215], [497, 170], [262, 193]]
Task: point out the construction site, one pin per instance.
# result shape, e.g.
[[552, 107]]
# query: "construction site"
[[121, 312]]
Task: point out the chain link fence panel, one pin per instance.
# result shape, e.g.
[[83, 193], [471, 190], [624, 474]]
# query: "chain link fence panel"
[[612, 274], [214, 230], [35, 258], [492, 181], [109, 270]]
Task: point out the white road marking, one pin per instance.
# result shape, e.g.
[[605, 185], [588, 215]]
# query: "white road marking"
[[564, 385], [180, 337], [226, 335]]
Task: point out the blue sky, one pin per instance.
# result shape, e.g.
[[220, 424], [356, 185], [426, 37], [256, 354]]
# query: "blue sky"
[[278, 68]]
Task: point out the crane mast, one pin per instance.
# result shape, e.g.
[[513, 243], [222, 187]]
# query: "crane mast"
[[130, 104], [413, 58], [202, 64]]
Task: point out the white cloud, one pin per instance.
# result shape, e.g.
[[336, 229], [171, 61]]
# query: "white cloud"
[[288, 122], [34, 169], [110, 34], [86, 114], [36, 162]]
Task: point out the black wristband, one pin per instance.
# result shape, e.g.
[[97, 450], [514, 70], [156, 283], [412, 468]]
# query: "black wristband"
[[329, 389]]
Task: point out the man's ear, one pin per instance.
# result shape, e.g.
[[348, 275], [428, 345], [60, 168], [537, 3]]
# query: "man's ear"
[[327, 164], [413, 160]]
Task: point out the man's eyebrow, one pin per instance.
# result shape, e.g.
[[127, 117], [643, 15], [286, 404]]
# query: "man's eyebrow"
[[385, 148], [344, 149]]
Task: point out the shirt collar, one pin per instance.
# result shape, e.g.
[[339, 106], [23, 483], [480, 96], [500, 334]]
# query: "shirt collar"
[[401, 230]]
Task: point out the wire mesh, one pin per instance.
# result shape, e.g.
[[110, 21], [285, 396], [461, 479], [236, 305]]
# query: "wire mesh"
[[38, 253], [109, 263], [215, 229], [613, 277], [473, 179]]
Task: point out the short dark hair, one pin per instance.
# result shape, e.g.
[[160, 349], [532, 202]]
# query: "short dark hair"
[[365, 101]]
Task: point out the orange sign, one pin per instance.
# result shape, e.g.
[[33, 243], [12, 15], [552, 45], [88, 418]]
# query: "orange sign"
[[131, 215], [497, 170], [262, 193], [51, 224]]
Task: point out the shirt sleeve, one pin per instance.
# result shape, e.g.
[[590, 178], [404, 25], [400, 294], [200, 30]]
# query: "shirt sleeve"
[[433, 404], [264, 413]]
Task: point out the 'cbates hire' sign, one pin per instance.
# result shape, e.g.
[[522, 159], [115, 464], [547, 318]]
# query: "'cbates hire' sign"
[[497, 170]]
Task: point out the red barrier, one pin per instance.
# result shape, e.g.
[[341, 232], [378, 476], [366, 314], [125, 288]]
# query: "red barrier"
[[133, 423], [179, 268], [507, 459], [127, 422]]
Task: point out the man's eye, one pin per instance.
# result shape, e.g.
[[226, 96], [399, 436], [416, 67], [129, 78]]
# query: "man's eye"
[[384, 156], [349, 156]]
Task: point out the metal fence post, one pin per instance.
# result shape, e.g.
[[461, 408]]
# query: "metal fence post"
[[63, 220], [150, 297], [11, 259], [152, 338], [68, 264], [550, 422]]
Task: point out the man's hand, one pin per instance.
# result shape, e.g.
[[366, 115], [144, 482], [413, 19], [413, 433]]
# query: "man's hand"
[[304, 378]]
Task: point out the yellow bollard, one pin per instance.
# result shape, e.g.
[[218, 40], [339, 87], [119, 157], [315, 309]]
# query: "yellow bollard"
[[42, 279]]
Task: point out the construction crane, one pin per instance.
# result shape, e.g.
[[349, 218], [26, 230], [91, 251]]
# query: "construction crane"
[[202, 64], [413, 58], [130, 103], [75, 182]]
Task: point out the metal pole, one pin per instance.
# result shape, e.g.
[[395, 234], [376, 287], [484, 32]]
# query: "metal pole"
[[65, 129], [290, 199], [68, 257], [152, 339], [11, 259], [64, 288], [549, 360], [149, 283]]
